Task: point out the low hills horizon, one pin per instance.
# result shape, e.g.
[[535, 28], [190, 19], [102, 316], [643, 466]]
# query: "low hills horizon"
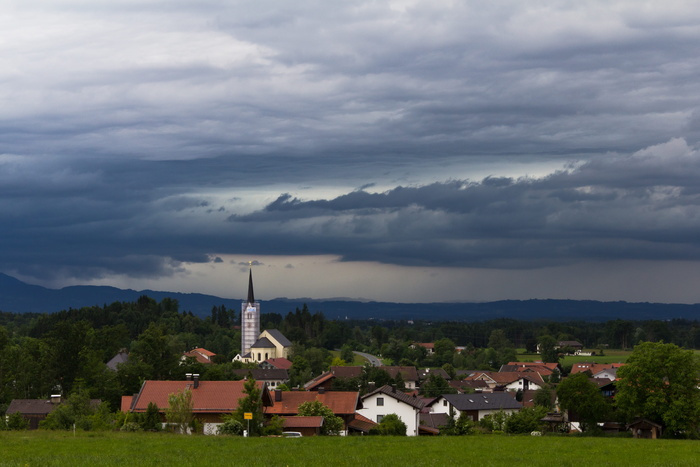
[[17, 296]]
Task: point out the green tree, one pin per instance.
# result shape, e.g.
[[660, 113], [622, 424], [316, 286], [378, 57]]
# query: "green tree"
[[583, 399], [391, 425], [526, 420], [548, 349], [151, 419], [660, 382], [332, 424], [435, 385], [75, 410], [179, 414], [251, 403], [16, 421]]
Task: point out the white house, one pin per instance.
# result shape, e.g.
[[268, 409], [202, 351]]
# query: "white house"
[[477, 406], [387, 400]]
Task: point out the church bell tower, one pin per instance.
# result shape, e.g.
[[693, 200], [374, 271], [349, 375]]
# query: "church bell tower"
[[250, 319]]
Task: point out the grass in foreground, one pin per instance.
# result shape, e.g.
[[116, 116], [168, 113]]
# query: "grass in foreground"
[[58, 449]]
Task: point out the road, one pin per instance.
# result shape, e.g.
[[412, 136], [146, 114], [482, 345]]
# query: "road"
[[375, 361]]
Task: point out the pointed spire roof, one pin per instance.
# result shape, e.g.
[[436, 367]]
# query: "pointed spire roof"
[[251, 295]]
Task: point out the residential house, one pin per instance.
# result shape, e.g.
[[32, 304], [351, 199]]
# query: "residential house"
[[476, 406], [306, 425], [424, 373], [595, 368], [344, 404], [509, 380], [33, 410], [387, 400], [409, 375], [211, 400], [200, 355], [121, 357], [276, 363], [544, 369]]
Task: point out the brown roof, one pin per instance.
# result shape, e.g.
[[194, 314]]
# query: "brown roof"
[[551, 366], [340, 402], [302, 422], [31, 406], [280, 363], [261, 374], [362, 423], [209, 397], [318, 381], [593, 367], [346, 371], [398, 395]]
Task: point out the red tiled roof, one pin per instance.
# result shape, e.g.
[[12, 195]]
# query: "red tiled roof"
[[319, 380], [593, 367], [340, 402], [126, 403], [209, 397], [204, 352]]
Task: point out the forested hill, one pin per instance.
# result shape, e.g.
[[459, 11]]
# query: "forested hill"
[[19, 297]]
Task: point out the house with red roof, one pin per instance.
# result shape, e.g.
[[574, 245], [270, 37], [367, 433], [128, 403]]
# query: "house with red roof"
[[343, 404], [211, 400], [200, 355]]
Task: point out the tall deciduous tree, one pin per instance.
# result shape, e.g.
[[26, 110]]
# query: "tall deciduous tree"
[[251, 403], [660, 382], [582, 397], [179, 412], [332, 424]]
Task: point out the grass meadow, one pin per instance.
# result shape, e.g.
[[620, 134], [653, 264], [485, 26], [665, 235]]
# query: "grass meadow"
[[107, 448]]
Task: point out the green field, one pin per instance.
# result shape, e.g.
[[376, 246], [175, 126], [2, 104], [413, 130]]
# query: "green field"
[[59, 449]]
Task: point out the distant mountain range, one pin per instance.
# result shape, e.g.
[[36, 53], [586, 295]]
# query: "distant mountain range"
[[19, 297]]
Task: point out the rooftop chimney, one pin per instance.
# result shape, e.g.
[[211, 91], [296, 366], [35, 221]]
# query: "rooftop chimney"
[[278, 395], [188, 376], [55, 398], [196, 380]]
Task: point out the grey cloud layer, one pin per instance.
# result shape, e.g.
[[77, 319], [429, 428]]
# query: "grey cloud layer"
[[132, 133]]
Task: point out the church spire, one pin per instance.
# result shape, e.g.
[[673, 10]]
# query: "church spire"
[[251, 295]]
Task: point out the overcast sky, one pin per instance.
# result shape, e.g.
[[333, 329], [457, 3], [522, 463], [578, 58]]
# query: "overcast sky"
[[400, 150]]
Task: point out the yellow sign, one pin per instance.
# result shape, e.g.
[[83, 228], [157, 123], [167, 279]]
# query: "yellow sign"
[[247, 415]]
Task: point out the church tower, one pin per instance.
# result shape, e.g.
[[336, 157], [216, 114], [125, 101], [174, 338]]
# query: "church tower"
[[250, 319]]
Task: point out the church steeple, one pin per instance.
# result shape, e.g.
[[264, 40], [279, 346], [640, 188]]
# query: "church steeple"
[[251, 295]]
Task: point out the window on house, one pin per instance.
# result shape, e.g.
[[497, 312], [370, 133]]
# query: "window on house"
[[444, 402], [380, 401], [379, 418]]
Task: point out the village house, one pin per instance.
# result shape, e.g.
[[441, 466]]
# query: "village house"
[[33, 410], [387, 400], [270, 344], [343, 404], [476, 406], [200, 355], [211, 400]]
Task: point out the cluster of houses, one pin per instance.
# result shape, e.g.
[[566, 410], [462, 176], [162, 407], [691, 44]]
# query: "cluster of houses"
[[476, 393]]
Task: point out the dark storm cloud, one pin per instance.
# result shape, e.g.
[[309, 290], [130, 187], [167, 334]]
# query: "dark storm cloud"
[[135, 135]]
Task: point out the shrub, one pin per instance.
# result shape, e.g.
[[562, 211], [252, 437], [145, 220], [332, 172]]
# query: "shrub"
[[231, 426]]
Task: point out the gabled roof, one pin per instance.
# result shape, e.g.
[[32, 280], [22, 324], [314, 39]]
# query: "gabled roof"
[[200, 354], [536, 368], [361, 423], [390, 391], [279, 363], [31, 406], [506, 377], [340, 402], [483, 401], [263, 343], [209, 397], [434, 420], [594, 368], [346, 371], [319, 380], [279, 337], [121, 357]]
